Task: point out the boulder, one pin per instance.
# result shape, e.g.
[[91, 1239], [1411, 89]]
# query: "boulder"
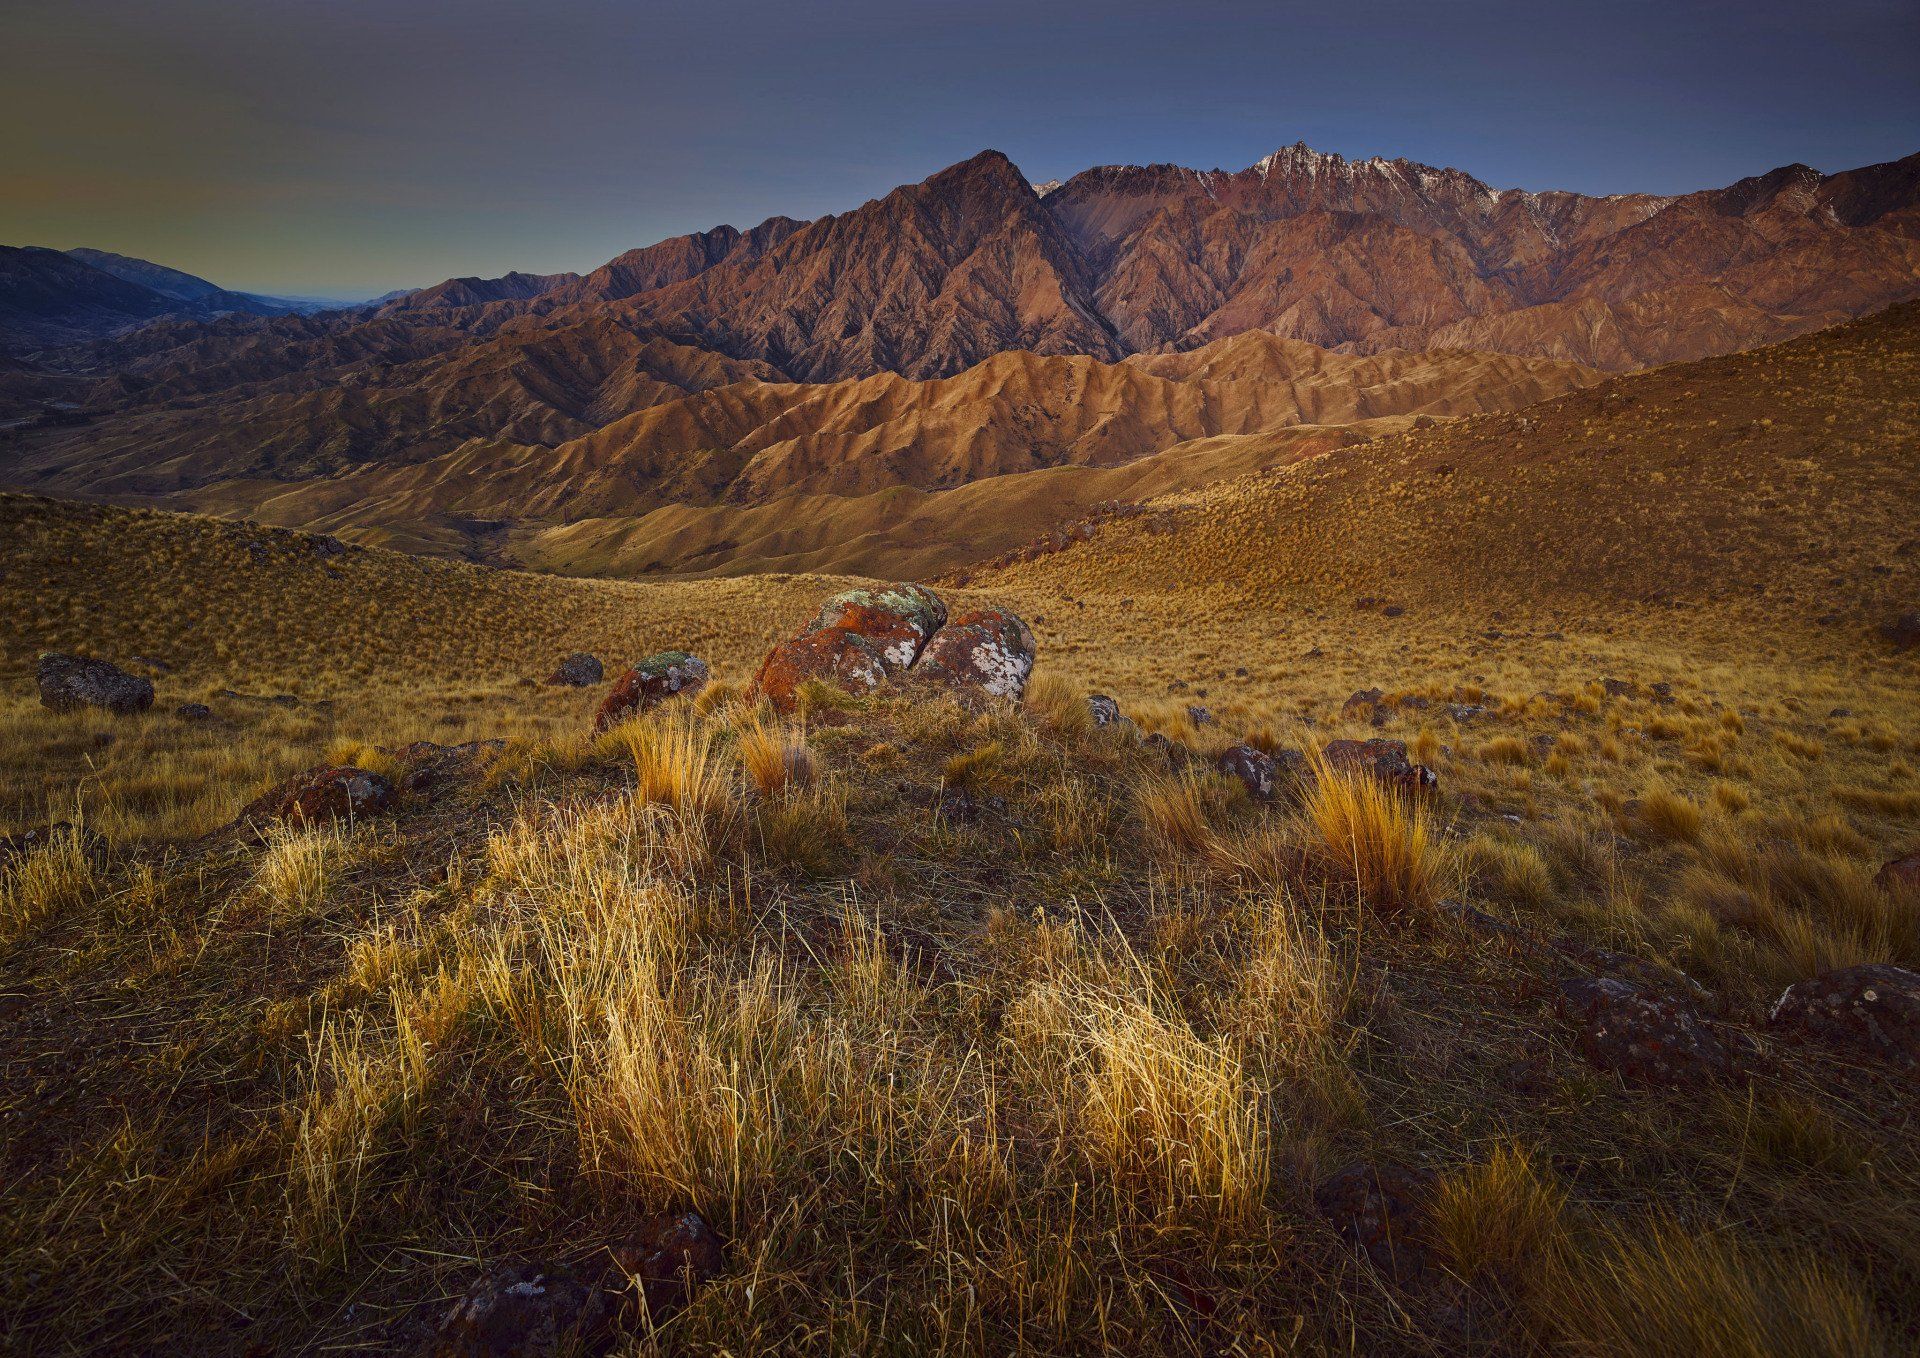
[[578, 670], [857, 641], [667, 674], [1641, 1036], [1104, 710], [1900, 874], [526, 1311], [326, 793], [988, 651], [1873, 1010], [1254, 769], [668, 1256], [69, 682], [1385, 761], [1903, 632]]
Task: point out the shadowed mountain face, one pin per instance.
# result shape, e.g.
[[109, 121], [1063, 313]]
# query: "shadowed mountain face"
[[53, 297]]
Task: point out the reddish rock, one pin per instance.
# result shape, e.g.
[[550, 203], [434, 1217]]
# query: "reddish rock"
[[988, 651], [1385, 761], [524, 1311], [1900, 875], [70, 682], [668, 1256], [1873, 1010], [329, 792], [1639, 1036], [1366, 703], [856, 642], [648, 684]]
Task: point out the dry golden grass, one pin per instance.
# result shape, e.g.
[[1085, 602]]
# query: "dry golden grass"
[[1380, 841], [1059, 1075]]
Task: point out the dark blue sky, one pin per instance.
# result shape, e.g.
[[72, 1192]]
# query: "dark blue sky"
[[345, 147]]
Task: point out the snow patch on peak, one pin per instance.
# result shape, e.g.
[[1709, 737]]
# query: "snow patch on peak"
[[1042, 190]]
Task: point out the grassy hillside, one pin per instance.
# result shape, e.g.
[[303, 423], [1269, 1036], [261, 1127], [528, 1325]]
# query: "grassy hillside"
[[992, 1032]]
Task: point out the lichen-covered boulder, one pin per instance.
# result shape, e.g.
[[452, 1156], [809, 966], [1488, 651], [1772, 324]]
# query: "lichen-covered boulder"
[[1385, 761], [1104, 710], [1254, 769], [578, 670], [525, 1311], [1640, 1036], [329, 792], [70, 682], [899, 619], [667, 674], [856, 642], [669, 1255], [989, 651], [1872, 1009]]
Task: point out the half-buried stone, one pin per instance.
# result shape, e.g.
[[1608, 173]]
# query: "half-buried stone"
[[664, 675], [857, 641]]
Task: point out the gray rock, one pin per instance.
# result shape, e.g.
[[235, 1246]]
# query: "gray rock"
[[70, 682]]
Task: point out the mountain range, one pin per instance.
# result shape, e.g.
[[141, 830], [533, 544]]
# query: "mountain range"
[[971, 330]]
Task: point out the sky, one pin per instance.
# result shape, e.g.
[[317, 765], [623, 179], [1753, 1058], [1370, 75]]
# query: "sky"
[[343, 148]]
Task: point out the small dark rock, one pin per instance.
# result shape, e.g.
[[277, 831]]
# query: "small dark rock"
[[1641, 1037], [524, 1311], [1872, 1009], [1254, 769], [1900, 874], [1383, 760], [1620, 688], [1199, 716], [1903, 632], [1104, 710], [1380, 1209], [578, 670], [668, 1256], [193, 712]]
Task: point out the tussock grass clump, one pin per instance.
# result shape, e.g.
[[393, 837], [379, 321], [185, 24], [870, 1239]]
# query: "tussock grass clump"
[[57, 876], [1660, 1287], [1376, 839], [1666, 815], [678, 764], [775, 758], [1499, 1217], [1174, 811], [299, 863]]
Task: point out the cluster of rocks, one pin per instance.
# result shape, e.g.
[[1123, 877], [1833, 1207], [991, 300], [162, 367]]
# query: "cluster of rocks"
[[526, 1310], [866, 638]]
